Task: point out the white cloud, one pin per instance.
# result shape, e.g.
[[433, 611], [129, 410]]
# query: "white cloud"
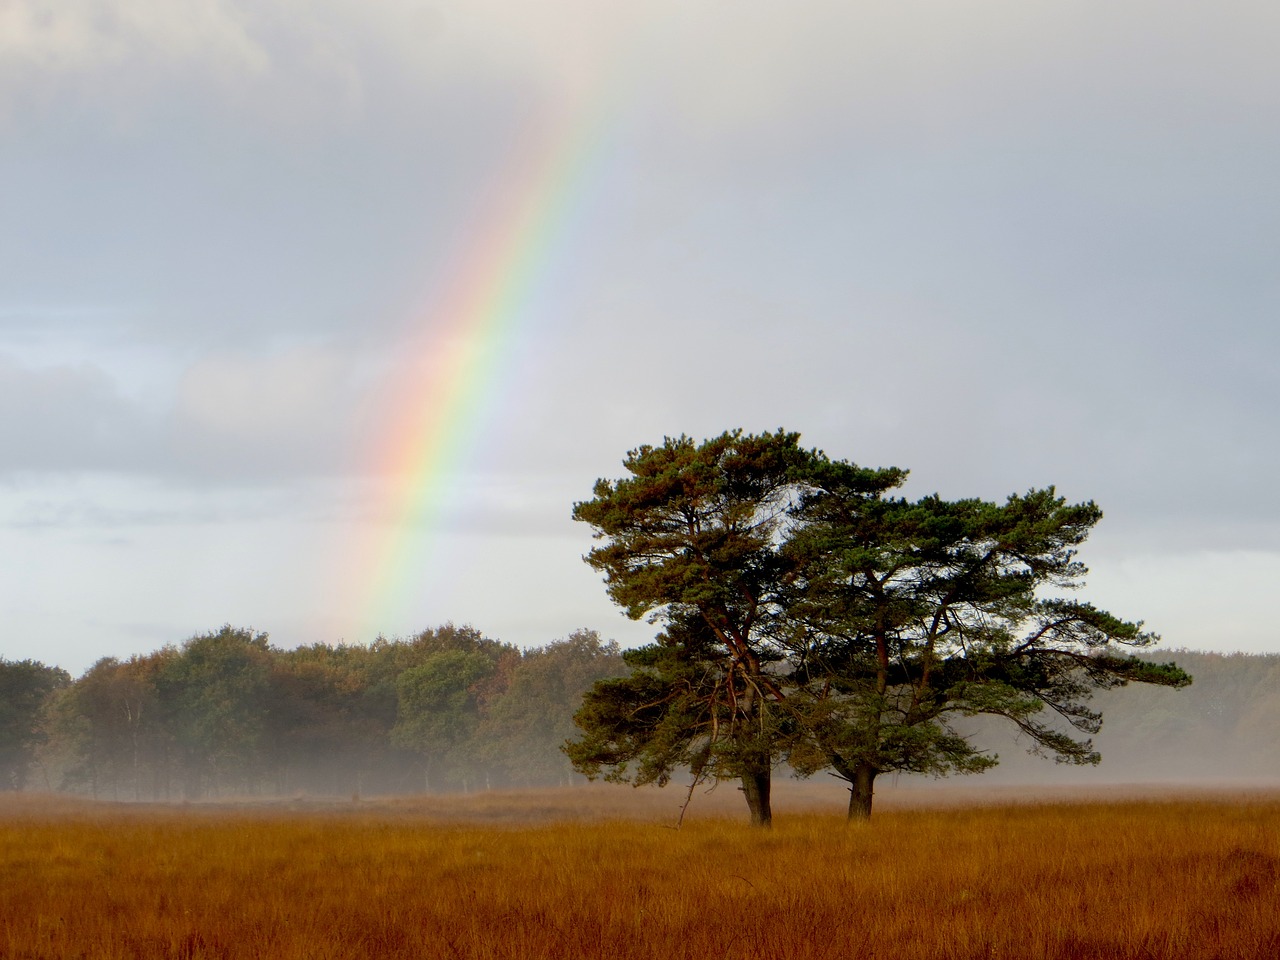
[[293, 411], [260, 397]]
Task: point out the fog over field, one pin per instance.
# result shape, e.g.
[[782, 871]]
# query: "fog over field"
[[318, 318], [469, 725]]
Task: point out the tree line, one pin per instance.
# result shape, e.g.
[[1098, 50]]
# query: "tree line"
[[227, 713], [812, 616], [1224, 727]]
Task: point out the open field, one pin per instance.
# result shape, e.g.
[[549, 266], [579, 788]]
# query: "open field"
[[597, 872]]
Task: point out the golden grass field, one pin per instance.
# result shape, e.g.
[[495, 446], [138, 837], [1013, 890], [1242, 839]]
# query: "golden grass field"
[[599, 872]]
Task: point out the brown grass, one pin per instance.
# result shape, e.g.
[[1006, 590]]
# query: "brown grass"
[[1186, 878]]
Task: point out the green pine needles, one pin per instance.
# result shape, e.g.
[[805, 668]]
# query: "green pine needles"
[[811, 617]]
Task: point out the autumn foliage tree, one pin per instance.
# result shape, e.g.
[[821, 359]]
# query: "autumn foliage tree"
[[536, 708], [25, 688], [226, 712]]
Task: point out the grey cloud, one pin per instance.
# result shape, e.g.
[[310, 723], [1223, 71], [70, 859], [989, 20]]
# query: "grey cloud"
[[724, 65], [67, 418], [229, 417], [126, 509], [76, 511]]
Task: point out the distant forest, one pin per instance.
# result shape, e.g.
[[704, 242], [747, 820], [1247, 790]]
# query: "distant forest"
[[227, 714]]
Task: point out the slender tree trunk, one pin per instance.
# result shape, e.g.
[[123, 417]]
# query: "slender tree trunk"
[[137, 761], [755, 786], [861, 787]]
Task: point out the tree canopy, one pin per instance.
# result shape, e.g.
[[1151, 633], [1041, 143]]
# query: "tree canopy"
[[225, 712], [691, 539], [810, 615], [25, 687]]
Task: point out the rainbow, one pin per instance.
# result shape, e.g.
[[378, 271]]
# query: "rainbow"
[[440, 409]]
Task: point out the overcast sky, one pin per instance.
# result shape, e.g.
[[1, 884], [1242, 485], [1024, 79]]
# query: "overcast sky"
[[1003, 244]]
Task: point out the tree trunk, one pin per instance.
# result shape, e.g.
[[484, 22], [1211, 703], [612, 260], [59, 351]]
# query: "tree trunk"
[[861, 786], [755, 786]]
